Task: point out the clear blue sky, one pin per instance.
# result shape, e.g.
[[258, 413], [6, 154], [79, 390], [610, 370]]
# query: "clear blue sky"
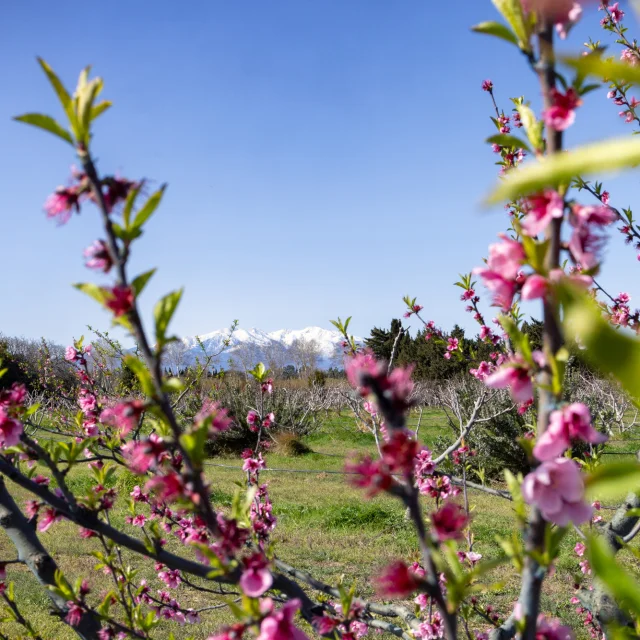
[[324, 157]]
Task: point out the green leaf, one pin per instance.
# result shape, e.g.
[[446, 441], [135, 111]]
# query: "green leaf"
[[47, 123], [61, 92], [609, 350], [508, 140], [511, 11], [607, 69], [100, 108], [613, 480], [93, 290], [621, 584], [142, 373], [140, 282], [532, 126], [600, 157], [163, 312], [128, 205], [85, 106], [149, 207], [496, 29]]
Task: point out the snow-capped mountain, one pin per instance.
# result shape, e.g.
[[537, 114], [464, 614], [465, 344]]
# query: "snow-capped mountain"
[[313, 347]]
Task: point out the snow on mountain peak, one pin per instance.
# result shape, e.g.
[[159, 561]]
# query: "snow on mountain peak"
[[253, 345]]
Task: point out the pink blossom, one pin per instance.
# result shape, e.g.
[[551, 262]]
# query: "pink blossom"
[[269, 420], [506, 257], [592, 214], [556, 487], [397, 581], [124, 416], [87, 401], [267, 386], [483, 370], [541, 209], [561, 114], [553, 630], [71, 355], [48, 517], [534, 287], [256, 577], [279, 624], [502, 288], [167, 487], [423, 463], [253, 418], [120, 301], [487, 85], [369, 474], [212, 411], [630, 57], [515, 375], [580, 548], [617, 14], [74, 614], [449, 521], [61, 204], [453, 344], [10, 429], [573, 422], [171, 577], [563, 25], [98, 256]]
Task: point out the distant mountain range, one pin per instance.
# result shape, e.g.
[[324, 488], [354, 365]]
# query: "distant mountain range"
[[313, 346]]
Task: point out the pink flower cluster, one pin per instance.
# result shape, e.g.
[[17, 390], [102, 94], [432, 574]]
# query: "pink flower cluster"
[[11, 409]]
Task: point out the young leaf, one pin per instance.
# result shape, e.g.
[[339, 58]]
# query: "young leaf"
[[47, 123], [595, 65], [163, 312], [599, 157], [140, 282], [100, 108], [511, 11], [621, 584], [496, 29], [613, 480], [149, 207], [93, 290], [609, 350], [532, 126], [142, 373], [508, 140]]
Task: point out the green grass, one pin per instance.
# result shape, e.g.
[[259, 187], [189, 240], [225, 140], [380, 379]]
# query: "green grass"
[[325, 526]]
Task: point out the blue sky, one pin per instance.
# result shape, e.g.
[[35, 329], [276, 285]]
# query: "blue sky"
[[324, 158]]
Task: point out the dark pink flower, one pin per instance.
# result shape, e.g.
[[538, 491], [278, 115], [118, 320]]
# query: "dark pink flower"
[[483, 370], [487, 85], [98, 256], [449, 521], [397, 581], [74, 614], [256, 577], [62, 203], [10, 429], [171, 577], [369, 474], [120, 301], [48, 517], [541, 209], [561, 114], [278, 625], [556, 487], [617, 14]]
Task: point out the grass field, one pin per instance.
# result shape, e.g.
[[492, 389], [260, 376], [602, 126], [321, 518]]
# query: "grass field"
[[324, 526]]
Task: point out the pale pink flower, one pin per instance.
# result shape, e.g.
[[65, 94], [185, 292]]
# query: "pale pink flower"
[[617, 14], [515, 375], [553, 630], [534, 287], [506, 257], [556, 487], [483, 370], [541, 209], [74, 614], [70, 354], [630, 57], [573, 422]]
